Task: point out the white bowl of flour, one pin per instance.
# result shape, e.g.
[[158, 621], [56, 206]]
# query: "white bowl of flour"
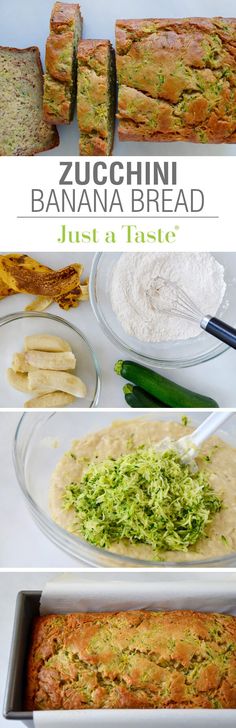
[[125, 303]]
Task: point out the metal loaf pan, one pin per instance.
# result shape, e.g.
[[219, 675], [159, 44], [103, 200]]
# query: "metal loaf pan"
[[27, 607]]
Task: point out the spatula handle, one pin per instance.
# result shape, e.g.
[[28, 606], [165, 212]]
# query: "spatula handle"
[[210, 425]]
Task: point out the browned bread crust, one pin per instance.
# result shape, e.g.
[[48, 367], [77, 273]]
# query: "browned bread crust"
[[63, 16], [60, 60], [178, 659], [96, 97], [92, 145], [56, 45], [177, 79], [22, 129]]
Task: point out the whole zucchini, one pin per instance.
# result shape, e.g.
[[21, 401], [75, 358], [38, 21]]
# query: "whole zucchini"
[[137, 397], [163, 389]]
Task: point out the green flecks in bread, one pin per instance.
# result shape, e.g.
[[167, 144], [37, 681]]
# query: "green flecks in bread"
[[22, 129], [61, 63], [96, 97], [57, 97], [177, 79], [136, 659]]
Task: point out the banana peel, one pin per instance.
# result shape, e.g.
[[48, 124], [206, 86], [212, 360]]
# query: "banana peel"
[[19, 273]]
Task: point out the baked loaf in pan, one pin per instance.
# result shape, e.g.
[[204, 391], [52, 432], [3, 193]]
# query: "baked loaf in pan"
[[22, 129], [96, 97], [178, 659], [61, 63], [177, 79]]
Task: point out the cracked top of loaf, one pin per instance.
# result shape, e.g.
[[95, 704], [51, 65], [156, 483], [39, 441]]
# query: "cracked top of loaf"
[[136, 659], [177, 79]]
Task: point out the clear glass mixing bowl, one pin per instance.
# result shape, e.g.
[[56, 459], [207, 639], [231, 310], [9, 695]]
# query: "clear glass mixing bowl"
[[13, 329], [39, 443], [170, 354]]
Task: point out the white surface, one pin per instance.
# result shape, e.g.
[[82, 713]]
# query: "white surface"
[[215, 378], [22, 544], [26, 22], [109, 208], [11, 584]]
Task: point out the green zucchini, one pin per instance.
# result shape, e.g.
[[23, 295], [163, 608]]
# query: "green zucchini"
[[137, 397], [163, 389]]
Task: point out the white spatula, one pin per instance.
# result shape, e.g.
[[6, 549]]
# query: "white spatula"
[[189, 445]]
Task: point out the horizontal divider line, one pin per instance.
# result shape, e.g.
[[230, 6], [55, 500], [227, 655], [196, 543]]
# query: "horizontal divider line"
[[118, 217]]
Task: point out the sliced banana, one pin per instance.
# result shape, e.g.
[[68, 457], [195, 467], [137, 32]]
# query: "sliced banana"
[[44, 342], [20, 364], [44, 369], [47, 360], [52, 399], [39, 380], [18, 380]]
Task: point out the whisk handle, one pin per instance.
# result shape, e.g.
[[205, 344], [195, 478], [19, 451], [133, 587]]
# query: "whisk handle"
[[220, 330]]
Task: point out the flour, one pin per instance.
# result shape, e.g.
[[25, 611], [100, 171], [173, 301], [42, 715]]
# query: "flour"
[[135, 303]]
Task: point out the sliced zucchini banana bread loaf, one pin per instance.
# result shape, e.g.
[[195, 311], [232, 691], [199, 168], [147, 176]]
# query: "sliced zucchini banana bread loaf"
[[141, 659], [61, 63], [96, 97], [22, 129], [177, 79]]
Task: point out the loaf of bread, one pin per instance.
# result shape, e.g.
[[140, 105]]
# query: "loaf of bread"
[[61, 63], [178, 659], [22, 129], [96, 97], [177, 80]]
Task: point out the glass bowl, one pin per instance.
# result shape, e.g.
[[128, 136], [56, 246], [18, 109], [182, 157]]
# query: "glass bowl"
[[16, 326], [170, 354], [39, 443]]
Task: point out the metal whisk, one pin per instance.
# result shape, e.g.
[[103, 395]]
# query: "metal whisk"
[[183, 307]]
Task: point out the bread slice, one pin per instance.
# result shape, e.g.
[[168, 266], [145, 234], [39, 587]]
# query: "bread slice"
[[61, 63], [96, 97], [22, 128]]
